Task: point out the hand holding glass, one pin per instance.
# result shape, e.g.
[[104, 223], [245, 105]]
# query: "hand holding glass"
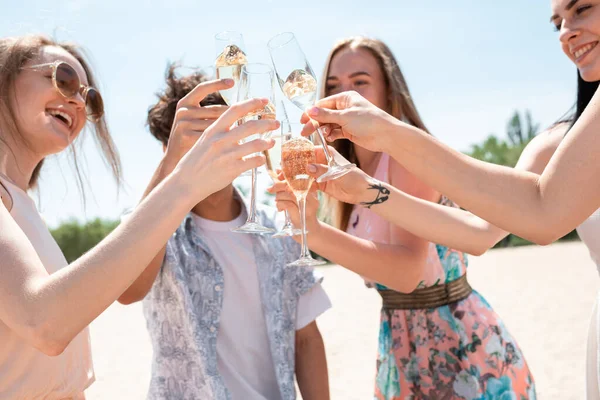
[[299, 85], [256, 80], [296, 153], [273, 165]]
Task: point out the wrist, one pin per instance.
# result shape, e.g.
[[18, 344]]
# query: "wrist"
[[167, 165], [374, 193], [314, 228], [395, 134], [389, 132], [188, 191]]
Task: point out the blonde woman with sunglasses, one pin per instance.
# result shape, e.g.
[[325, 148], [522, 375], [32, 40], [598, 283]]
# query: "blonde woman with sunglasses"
[[47, 97]]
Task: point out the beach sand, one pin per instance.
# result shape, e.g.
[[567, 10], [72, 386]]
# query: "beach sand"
[[544, 295]]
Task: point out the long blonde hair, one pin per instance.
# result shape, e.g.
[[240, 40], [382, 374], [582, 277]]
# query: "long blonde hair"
[[400, 105], [16, 52]]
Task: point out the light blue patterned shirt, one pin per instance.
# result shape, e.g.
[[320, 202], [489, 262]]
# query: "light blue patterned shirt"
[[183, 311]]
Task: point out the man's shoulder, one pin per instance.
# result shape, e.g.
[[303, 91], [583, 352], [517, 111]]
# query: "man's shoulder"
[[182, 231]]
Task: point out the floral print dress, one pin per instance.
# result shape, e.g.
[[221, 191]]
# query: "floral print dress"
[[458, 351]]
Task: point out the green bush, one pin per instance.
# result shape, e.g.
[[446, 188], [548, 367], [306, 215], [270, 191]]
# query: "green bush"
[[74, 238]]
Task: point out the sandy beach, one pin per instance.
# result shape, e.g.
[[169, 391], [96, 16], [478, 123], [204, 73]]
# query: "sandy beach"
[[544, 294]]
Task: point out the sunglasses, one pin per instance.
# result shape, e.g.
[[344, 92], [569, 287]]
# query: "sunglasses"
[[67, 83]]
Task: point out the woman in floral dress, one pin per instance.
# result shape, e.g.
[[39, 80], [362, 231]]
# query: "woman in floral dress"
[[459, 349]]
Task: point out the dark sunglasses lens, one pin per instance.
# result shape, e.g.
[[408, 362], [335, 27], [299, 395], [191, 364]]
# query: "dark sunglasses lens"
[[94, 106], [67, 80]]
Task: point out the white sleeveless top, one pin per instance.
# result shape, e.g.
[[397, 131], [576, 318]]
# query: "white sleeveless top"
[[25, 372], [589, 232]]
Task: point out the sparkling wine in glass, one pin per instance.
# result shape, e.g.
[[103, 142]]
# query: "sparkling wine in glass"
[[298, 83], [296, 153], [256, 80], [273, 165], [230, 59]]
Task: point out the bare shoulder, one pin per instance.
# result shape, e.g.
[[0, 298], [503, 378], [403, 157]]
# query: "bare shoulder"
[[550, 139], [555, 134], [540, 150]]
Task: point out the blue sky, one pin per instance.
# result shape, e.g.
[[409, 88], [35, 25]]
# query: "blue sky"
[[469, 64]]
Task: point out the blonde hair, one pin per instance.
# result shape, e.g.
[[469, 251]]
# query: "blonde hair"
[[15, 52], [400, 105]]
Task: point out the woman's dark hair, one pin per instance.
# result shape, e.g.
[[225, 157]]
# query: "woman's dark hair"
[[162, 114], [585, 92]]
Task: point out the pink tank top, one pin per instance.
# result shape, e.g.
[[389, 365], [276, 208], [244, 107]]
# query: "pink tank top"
[[25, 372], [443, 264]]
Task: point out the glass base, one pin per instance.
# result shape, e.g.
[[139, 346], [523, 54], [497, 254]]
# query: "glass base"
[[253, 227], [335, 172], [306, 262], [288, 232]]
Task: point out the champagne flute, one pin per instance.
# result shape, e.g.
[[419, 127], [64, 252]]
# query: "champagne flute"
[[273, 164], [230, 59], [256, 80], [298, 83], [296, 153]]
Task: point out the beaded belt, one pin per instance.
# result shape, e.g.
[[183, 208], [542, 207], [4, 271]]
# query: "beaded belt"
[[429, 297]]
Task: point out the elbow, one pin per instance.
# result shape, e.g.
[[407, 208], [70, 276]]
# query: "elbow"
[[128, 298], [555, 225], [407, 284], [477, 252], [52, 349], [48, 338], [546, 235], [408, 280], [136, 292], [545, 239]]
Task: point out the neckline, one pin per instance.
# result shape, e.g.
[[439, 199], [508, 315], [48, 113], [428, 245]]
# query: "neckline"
[[219, 226], [6, 180]]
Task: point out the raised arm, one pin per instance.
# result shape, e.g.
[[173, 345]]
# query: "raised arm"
[[456, 228], [398, 265], [191, 120], [540, 208], [48, 311], [449, 226]]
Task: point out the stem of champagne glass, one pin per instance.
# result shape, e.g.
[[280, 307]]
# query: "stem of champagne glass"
[[252, 216], [328, 157], [288, 221], [301, 199]]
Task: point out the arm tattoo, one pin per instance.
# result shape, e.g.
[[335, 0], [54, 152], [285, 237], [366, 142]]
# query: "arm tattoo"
[[383, 195]]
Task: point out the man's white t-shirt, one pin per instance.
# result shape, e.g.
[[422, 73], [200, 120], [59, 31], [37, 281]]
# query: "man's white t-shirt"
[[243, 353]]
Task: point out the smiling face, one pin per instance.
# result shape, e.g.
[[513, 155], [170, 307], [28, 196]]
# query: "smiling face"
[[578, 22], [47, 121]]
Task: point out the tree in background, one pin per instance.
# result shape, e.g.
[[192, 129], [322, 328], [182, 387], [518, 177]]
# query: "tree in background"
[[495, 150], [75, 239], [519, 132]]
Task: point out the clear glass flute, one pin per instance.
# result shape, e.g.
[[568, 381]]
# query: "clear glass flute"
[[273, 165], [298, 83], [256, 80], [231, 56], [296, 153]]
